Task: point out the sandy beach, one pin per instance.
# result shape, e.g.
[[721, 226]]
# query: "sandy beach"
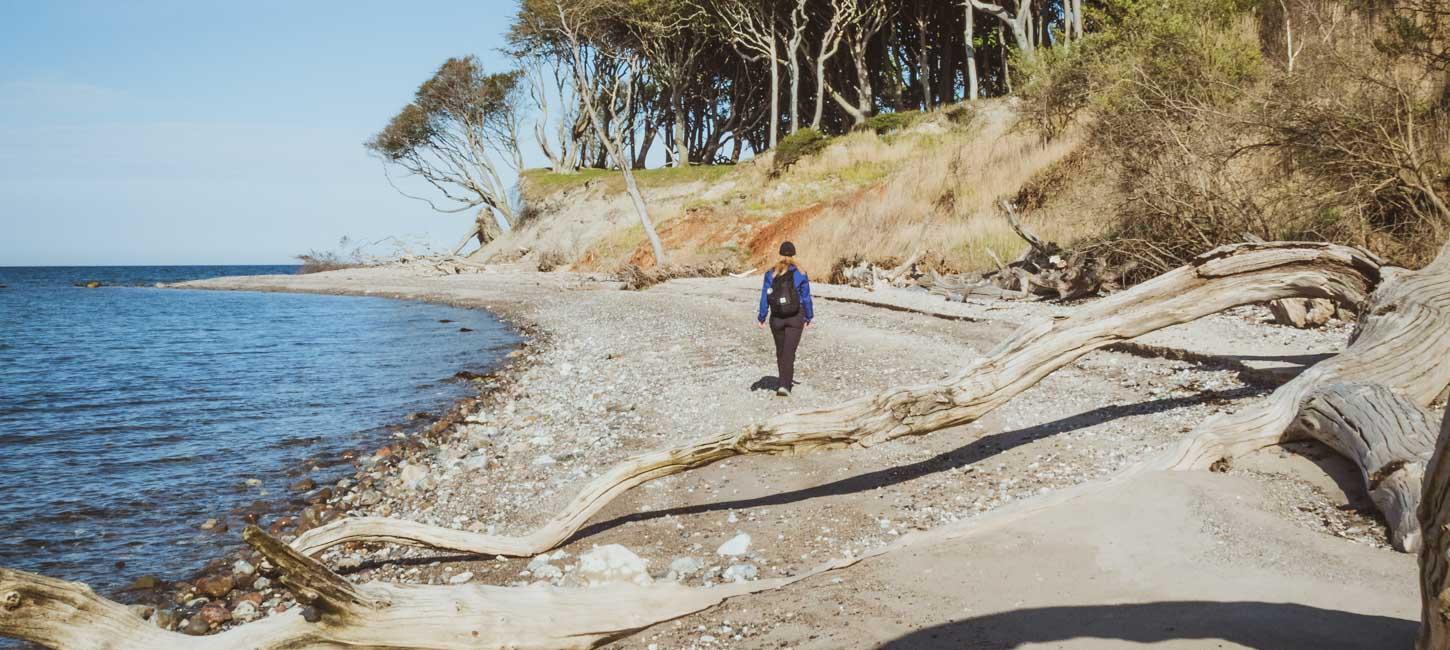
[[1283, 550]]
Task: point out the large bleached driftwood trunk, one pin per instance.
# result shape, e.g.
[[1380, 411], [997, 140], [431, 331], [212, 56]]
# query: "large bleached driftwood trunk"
[[1226, 277], [1401, 347], [1435, 554], [1388, 436]]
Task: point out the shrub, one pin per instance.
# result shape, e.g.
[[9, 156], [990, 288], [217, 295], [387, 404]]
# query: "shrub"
[[551, 260], [884, 123], [795, 146], [320, 261]]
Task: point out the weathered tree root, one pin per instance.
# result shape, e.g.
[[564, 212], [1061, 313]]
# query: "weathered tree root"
[[1223, 278]]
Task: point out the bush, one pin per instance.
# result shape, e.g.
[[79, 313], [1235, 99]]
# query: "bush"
[[961, 115], [320, 261], [884, 123], [795, 146]]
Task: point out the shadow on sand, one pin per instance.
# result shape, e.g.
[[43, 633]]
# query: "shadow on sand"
[[973, 452], [1266, 626]]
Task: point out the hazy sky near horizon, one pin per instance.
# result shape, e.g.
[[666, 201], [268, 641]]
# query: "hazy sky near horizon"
[[181, 132]]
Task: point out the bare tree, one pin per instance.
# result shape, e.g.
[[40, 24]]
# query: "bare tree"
[[460, 131], [923, 51], [574, 17], [866, 22], [562, 147], [799, 20], [1019, 23], [752, 27], [843, 13], [670, 46], [969, 32]]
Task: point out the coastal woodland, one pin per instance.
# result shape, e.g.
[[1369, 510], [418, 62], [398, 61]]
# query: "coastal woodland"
[[1145, 163]]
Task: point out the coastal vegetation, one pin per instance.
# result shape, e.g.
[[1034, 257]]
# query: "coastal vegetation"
[[1145, 132]]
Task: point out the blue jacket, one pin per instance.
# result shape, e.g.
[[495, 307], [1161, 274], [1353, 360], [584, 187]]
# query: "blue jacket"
[[802, 287]]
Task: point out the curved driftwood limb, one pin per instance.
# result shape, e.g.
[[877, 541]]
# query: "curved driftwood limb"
[[1400, 349], [1402, 343], [1434, 516], [1388, 436], [61, 614], [1223, 278]]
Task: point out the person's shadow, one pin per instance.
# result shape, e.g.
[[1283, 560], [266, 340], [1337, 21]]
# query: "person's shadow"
[[766, 383]]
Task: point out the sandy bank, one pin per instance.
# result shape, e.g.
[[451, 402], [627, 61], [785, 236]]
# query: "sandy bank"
[[1277, 553]]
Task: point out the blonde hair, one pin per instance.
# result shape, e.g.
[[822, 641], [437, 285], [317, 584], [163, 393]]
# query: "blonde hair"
[[784, 265]]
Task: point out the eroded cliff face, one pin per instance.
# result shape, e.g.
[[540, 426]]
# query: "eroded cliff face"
[[593, 225], [933, 185]]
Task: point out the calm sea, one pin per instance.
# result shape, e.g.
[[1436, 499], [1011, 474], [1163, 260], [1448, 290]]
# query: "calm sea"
[[130, 414]]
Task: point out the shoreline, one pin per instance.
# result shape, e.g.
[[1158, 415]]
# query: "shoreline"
[[175, 604], [602, 380]]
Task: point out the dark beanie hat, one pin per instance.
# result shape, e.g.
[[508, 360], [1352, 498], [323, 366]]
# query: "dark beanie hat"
[[787, 249]]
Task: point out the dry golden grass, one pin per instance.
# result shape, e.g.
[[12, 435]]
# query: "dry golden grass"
[[944, 198], [935, 186]]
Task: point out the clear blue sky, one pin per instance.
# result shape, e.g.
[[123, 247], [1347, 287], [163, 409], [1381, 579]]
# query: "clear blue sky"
[[208, 132]]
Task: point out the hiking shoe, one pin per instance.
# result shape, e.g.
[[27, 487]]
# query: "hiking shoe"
[[782, 392]]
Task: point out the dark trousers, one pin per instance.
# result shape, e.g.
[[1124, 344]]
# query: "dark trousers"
[[787, 333]]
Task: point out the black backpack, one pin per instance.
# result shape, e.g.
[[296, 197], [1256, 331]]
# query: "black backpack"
[[785, 301]]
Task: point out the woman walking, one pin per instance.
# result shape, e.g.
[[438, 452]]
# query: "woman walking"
[[786, 300]]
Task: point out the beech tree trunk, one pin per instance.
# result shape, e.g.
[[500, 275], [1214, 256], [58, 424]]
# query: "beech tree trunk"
[[969, 52]]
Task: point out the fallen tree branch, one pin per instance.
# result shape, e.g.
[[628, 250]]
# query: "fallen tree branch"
[[60, 614], [1226, 277]]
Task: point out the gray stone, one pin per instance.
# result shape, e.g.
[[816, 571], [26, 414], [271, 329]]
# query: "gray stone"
[[737, 545], [740, 573], [684, 567], [245, 611], [612, 563]]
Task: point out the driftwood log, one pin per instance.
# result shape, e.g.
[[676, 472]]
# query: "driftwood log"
[[857, 271], [1434, 518], [1226, 277], [339, 614], [1401, 345], [1388, 436]]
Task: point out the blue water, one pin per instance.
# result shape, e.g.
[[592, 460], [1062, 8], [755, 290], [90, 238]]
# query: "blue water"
[[131, 414]]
